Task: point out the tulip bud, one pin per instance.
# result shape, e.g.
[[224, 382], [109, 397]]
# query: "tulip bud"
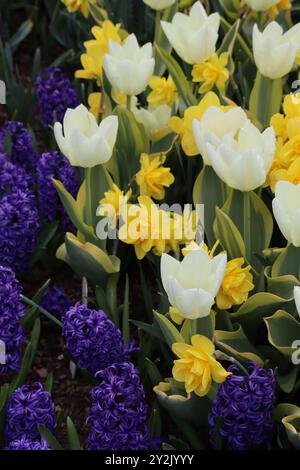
[[274, 51], [159, 4], [193, 36], [286, 209], [129, 67], [82, 140], [193, 283], [243, 159]]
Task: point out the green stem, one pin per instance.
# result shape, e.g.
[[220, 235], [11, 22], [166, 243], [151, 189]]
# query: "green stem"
[[128, 102], [157, 25], [45, 312], [88, 192], [247, 223]]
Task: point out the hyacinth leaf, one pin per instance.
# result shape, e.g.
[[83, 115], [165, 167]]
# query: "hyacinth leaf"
[[236, 343], [153, 330], [125, 315], [212, 192], [155, 424], [74, 442], [28, 357], [228, 234], [283, 330], [111, 294], [153, 372], [169, 331], [265, 98], [102, 302], [132, 140], [287, 263], [252, 312], [49, 438], [32, 312], [49, 382], [283, 286], [88, 260], [4, 393], [73, 211], [259, 216], [180, 406], [45, 237], [182, 84], [161, 39]]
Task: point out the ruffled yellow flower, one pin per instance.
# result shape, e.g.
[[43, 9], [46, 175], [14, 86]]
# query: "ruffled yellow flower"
[[94, 101], [276, 9], [153, 177], [163, 92], [197, 366], [79, 5], [182, 229], [212, 72], [183, 126], [236, 285], [113, 202], [141, 228], [291, 174], [287, 125], [92, 60]]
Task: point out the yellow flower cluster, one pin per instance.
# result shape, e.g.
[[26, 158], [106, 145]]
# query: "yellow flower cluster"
[[183, 126], [149, 228], [286, 164], [236, 285], [197, 366], [153, 177], [163, 91], [212, 72], [79, 5], [92, 60]]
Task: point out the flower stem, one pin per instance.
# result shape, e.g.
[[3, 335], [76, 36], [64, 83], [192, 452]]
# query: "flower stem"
[[247, 223], [45, 312], [128, 102], [88, 192]]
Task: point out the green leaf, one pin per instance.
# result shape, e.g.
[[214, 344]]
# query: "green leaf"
[[182, 84], [49, 438], [287, 263], [237, 344], [32, 312], [74, 442], [45, 237], [170, 332], [283, 330], [49, 382], [265, 98], [229, 39], [153, 330], [227, 232], [283, 286], [125, 320], [96, 183], [153, 372], [287, 381], [23, 31], [162, 41]]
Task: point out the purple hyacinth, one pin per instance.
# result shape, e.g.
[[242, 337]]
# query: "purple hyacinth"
[[11, 312], [27, 444], [56, 301], [118, 416], [245, 405], [92, 339], [55, 95], [21, 146], [54, 165], [28, 407]]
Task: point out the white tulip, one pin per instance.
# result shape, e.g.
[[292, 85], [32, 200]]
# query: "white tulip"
[[214, 124], [193, 283], [159, 4], [274, 51], [297, 298], [286, 209], [261, 5], [193, 36], [129, 67], [82, 140], [153, 119], [242, 159]]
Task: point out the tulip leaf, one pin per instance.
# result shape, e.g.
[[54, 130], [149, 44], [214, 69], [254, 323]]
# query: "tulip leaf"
[[170, 332], [258, 306], [287, 263], [74, 442], [265, 98], [229, 39], [162, 41], [283, 286], [237, 344], [88, 260], [180, 80], [73, 211], [283, 330], [228, 234], [96, 183], [287, 381], [212, 192]]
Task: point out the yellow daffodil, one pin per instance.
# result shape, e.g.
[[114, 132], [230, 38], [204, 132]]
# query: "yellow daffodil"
[[94, 101], [79, 5], [182, 229], [212, 73], [153, 177], [183, 126], [276, 9], [194, 246], [141, 226], [287, 125], [92, 60], [236, 284], [291, 174], [163, 92], [197, 366], [112, 203]]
